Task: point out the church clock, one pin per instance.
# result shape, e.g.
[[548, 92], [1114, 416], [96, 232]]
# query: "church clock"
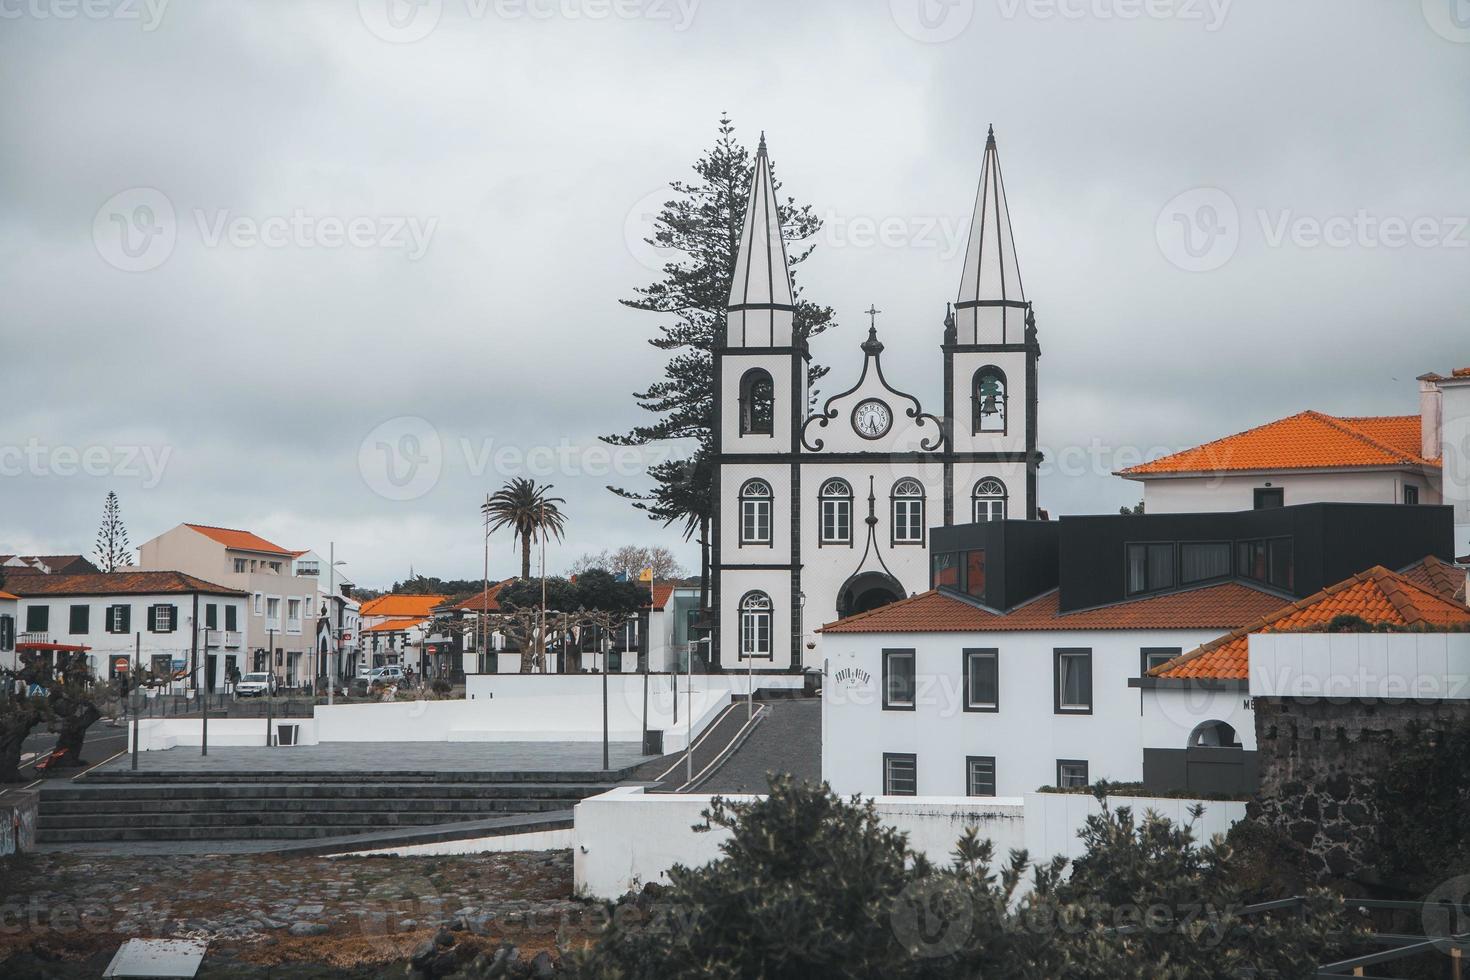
[[872, 418]]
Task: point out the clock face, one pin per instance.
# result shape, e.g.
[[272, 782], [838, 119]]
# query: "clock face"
[[872, 419]]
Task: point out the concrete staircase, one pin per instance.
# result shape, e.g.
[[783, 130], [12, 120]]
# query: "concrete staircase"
[[284, 806]]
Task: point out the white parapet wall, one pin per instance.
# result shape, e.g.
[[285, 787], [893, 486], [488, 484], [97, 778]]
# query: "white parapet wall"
[[625, 837], [157, 734], [1422, 666]]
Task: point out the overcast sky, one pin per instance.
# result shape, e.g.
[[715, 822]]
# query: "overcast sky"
[[247, 246]]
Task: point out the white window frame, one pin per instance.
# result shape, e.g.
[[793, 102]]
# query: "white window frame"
[[970, 761], [835, 510], [907, 511], [973, 656], [906, 758], [259, 605], [990, 501], [755, 512], [1065, 655], [756, 626]]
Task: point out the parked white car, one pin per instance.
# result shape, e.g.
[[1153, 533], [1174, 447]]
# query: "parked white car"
[[254, 685]]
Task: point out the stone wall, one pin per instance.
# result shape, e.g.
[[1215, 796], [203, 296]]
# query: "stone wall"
[[18, 821], [1319, 762]]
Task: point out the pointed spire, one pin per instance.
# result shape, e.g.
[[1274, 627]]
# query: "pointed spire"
[[760, 308], [991, 304]]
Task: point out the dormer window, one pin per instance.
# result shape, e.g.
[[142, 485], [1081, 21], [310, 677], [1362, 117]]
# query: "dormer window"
[[989, 400], [757, 403]]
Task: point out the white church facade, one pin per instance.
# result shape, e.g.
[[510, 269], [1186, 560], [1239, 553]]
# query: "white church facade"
[[823, 514]]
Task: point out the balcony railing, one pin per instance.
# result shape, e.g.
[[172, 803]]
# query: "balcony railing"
[[233, 638]]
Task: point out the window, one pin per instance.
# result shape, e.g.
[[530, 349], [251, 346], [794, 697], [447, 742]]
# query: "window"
[[1151, 657], [119, 618], [1268, 560], [989, 400], [38, 619], [982, 680], [944, 570], [257, 603], [836, 503], [293, 613], [273, 610], [1150, 567], [755, 625], [1073, 669], [975, 573], [308, 568], [900, 774], [755, 512], [1266, 497], [979, 775], [240, 565], [7, 633], [908, 512], [161, 618], [232, 622], [1411, 494], [1200, 561], [1071, 773], [77, 621], [898, 680], [211, 616], [989, 500], [757, 403]]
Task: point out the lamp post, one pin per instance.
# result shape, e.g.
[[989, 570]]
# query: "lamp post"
[[270, 684], [204, 728], [689, 712]]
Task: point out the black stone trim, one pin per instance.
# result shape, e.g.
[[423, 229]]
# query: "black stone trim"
[[970, 304], [1018, 456], [1185, 683], [742, 307], [754, 567]]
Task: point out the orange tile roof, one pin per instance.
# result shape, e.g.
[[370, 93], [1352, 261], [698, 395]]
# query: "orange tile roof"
[[1309, 440], [240, 540], [1223, 606], [116, 583], [484, 600], [1440, 577], [398, 605], [661, 593], [7, 595], [394, 625], [1377, 595]]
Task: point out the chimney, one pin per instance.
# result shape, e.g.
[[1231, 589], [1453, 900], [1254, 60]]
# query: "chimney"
[[1430, 416]]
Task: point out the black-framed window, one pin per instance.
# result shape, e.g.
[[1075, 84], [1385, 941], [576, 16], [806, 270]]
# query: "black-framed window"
[[899, 680], [1411, 494], [119, 618], [1200, 561], [1150, 566], [907, 499], [38, 619], [979, 775], [78, 619], [900, 774], [1263, 498], [7, 632], [1268, 560], [989, 400], [944, 570], [988, 500], [755, 626], [757, 403], [1151, 657], [162, 618], [835, 501], [755, 512], [211, 616], [1072, 773], [232, 622], [982, 680], [1072, 680]]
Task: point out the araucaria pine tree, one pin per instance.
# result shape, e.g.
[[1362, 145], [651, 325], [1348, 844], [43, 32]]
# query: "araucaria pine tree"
[[700, 225], [113, 551]]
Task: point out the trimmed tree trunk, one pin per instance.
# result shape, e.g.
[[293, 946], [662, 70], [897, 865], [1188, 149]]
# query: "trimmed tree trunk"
[[17, 720], [73, 733]]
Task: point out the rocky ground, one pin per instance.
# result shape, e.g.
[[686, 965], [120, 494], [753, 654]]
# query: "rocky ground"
[[66, 914]]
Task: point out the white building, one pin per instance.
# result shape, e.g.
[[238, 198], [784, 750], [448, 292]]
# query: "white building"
[[9, 617], [167, 618], [336, 613], [828, 514]]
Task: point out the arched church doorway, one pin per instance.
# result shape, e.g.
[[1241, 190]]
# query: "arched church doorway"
[[865, 591]]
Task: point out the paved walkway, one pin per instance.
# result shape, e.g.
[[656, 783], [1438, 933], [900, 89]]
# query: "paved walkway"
[[789, 740], [379, 757]]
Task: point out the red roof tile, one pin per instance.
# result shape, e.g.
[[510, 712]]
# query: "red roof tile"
[[1222, 606], [484, 600], [115, 583], [241, 540], [394, 625], [1377, 595], [394, 604], [1440, 577], [1309, 440]]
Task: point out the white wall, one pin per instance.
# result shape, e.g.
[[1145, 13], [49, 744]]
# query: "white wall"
[[1433, 666], [158, 734], [1053, 819], [1026, 735], [1171, 714], [1209, 494], [625, 837]]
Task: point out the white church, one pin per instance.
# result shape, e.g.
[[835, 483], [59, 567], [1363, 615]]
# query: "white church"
[[821, 515]]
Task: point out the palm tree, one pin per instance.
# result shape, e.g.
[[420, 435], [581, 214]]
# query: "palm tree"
[[524, 507]]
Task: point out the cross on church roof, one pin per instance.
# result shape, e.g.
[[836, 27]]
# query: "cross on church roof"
[[872, 312]]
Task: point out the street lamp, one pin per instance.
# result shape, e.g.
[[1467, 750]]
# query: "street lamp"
[[336, 668]]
